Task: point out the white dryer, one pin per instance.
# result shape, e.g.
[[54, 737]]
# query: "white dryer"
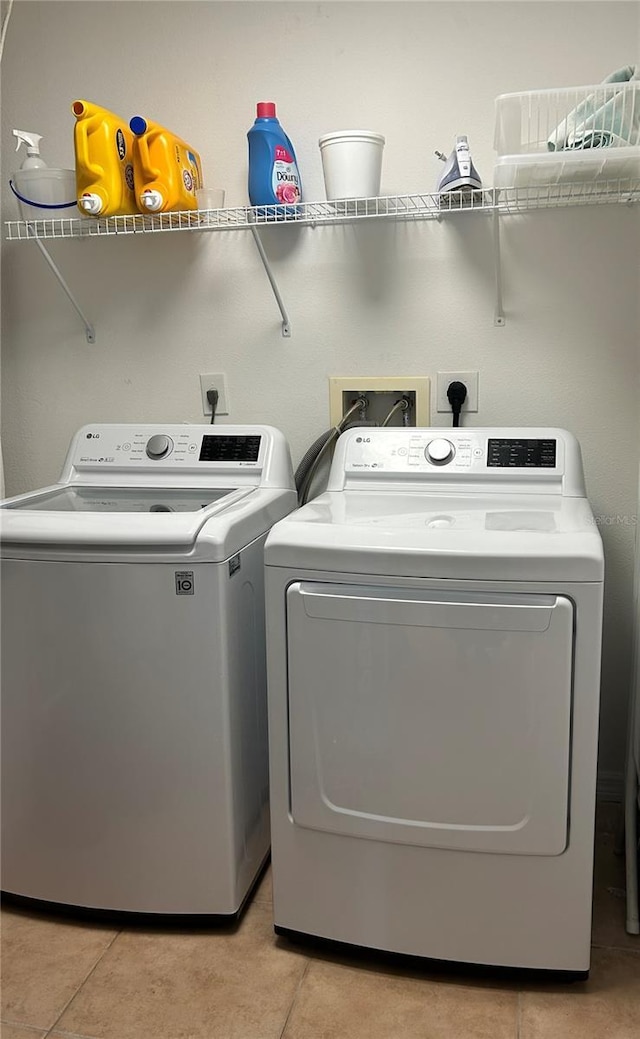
[[433, 643], [134, 740]]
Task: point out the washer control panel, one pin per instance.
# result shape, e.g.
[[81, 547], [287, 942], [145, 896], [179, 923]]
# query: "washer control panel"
[[169, 448]]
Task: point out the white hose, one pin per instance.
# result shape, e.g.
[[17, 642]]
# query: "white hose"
[[400, 405]]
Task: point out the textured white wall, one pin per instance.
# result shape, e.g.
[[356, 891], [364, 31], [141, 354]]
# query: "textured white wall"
[[408, 299]]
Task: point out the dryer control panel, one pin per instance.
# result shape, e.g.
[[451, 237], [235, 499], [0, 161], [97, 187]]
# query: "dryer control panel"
[[509, 459], [426, 449]]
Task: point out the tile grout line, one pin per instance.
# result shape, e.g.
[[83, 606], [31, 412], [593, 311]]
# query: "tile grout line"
[[72, 1035], [295, 996], [518, 1014], [23, 1026], [81, 985]]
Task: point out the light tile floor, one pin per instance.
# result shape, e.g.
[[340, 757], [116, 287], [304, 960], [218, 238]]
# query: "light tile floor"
[[62, 979]]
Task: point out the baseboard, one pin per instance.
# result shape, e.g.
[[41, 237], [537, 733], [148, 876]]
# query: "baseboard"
[[610, 787]]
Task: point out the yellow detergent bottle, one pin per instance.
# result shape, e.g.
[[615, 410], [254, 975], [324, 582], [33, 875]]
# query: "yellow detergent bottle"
[[167, 172], [104, 161]]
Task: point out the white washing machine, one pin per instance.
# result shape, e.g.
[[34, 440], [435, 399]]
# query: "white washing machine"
[[433, 643], [134, 740]]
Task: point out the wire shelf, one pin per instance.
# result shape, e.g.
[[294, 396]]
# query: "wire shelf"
[[554, 196], [397, 207], [400, 207]]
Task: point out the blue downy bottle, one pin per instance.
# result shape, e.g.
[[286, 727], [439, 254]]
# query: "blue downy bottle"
[[273, 171]]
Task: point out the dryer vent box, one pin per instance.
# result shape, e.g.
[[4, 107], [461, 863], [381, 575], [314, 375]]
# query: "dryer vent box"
[[381, 393]]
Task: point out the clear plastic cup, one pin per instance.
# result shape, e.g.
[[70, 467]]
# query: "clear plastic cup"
[[210, 198]]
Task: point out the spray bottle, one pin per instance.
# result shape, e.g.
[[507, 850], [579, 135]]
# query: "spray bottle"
[[32, 142], [41, 192]]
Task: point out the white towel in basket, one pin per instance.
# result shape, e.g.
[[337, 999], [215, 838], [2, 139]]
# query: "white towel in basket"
[[604, 119]]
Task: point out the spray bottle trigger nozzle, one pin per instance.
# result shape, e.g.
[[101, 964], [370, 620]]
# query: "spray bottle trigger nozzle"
[[32, 141]]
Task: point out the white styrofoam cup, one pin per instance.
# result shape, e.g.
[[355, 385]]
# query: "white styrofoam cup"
[[351, 163]]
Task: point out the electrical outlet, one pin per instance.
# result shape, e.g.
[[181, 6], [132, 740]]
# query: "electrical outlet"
[[218, 382], [470, 379], [381, 393]]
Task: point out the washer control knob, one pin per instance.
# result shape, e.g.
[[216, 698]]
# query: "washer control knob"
[[159, 446], [439, 452]]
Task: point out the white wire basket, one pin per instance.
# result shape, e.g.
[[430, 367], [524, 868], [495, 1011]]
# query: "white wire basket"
[[575, 134], [572, 119]]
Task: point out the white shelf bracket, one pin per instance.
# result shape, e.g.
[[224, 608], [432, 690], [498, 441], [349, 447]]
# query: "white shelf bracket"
[[498, 317], [286, 324], [88, 327]]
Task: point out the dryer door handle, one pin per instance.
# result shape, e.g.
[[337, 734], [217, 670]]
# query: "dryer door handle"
[[446, 610]]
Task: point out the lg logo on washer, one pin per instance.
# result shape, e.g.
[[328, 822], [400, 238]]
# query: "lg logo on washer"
[[184, 582]]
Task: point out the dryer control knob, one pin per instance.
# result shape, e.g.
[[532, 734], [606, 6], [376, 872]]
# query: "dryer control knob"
[[159, 446], [439, 452]]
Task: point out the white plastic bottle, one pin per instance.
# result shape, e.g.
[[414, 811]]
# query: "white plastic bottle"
[[33, 160], [42, 193]]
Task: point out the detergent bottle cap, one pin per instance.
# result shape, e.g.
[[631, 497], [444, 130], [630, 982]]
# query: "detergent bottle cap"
[[32, 142], [90, 203], [266, 110], [151, 200], [138, 125]]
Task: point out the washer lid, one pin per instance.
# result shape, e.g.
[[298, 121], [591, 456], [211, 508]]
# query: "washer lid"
[[474, 537], [77, 516], [122, 499]]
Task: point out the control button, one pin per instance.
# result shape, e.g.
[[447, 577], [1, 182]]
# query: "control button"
[[478, 452], [193, 447], [439, 451], [126, 447], [402, 451], [159, 446]]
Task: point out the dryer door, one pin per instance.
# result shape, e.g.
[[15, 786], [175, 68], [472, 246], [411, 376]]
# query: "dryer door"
[[435, 719]]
